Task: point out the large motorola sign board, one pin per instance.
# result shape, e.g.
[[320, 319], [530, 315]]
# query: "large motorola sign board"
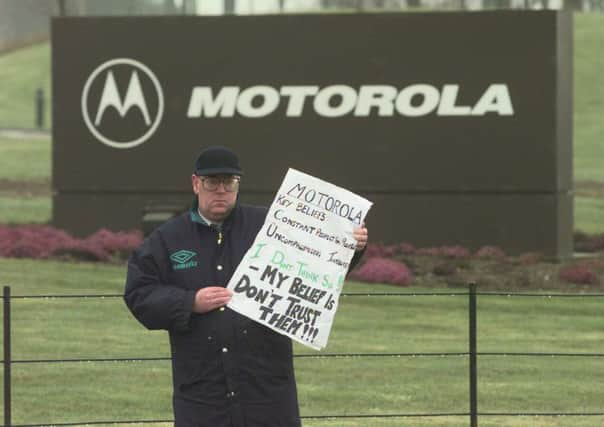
[[458, 129]]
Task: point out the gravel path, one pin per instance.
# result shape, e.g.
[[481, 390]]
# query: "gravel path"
[[24, 133]]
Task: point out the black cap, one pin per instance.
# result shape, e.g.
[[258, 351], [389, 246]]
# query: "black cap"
[[216, 161]]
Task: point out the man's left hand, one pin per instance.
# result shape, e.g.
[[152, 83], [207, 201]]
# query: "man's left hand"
[[361, 236]]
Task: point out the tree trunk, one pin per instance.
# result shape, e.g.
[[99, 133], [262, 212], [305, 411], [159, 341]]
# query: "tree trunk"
[[229, 7], [62, 7], [497, 4]]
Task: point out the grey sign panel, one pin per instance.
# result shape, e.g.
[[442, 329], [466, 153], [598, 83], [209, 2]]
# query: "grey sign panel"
[[390, 105]]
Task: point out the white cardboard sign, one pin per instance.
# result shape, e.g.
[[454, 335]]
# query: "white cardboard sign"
[[291, 278]]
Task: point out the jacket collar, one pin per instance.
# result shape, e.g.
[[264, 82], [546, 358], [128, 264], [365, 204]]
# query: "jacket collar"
[[195, 217]]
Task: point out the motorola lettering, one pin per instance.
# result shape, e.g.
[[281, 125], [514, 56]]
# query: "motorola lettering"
[[111, 98], [334, 101], [122, 103]]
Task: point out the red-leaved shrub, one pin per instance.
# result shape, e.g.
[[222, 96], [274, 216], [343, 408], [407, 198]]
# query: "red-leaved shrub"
[[116, 242], [406, 248], [43, 241], [390, 250], [30, 241], [588, 243], [490, 252], [455, 252], [445, 251], [22, 247], [81, 250], [373, 250], [383, 270], [444, 269], [595, 264], [529, 258], [428, 251], [578, 273], [380, 250], [579, 236]]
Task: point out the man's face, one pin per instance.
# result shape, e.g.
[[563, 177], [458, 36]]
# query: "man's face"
[[213, 196]]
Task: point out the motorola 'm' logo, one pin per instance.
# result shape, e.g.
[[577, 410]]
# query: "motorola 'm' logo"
[[122, 103]]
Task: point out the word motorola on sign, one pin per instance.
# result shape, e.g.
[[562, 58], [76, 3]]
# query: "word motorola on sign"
[[333, 101], [291, 278]]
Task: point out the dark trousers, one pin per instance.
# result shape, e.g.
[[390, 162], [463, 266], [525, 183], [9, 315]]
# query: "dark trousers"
[[191, 414], [233, 414]]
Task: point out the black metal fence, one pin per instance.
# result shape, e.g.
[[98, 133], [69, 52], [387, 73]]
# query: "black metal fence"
[[472, 354]]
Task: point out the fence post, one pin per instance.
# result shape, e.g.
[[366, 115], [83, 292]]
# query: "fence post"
[[473, 370], [7, 357], [39, 103]]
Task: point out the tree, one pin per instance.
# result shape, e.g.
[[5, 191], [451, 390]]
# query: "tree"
[[229, 7], [573, 5], [497, 4], [170, 7], [62, 6]]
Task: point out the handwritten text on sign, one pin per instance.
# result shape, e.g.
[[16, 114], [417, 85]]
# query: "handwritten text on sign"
[[291, 277]]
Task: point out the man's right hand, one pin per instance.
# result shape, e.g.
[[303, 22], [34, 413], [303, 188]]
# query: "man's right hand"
[[210, 298]]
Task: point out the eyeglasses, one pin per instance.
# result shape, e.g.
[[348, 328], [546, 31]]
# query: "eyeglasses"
[[211, 183]]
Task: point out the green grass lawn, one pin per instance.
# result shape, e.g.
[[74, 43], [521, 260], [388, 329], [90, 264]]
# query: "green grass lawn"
[[25, 210], [27, 159], [589, 97], [25, 166], [589, 214], [22, 72], [97, 328]]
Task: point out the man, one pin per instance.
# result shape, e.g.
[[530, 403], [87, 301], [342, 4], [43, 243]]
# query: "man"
[[228, 371]]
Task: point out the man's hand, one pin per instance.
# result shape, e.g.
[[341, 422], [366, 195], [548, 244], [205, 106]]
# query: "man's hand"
[[361, 236], [210, 298]]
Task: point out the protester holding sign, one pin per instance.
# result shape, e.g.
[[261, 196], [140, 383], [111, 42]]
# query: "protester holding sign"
[[228, 370]]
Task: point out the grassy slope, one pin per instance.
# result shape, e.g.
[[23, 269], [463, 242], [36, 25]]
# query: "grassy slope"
[[83, 328], [25, 209], [25, 159], [588, 123], [21, 73], [589, 97], [589, 214]]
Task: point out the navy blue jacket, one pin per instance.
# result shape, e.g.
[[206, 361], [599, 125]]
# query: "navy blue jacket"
[[228, 371]]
